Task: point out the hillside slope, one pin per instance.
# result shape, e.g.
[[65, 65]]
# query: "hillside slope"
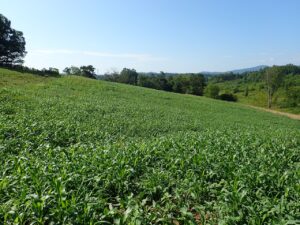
[[78, 151], [257, 96], [251, 88]]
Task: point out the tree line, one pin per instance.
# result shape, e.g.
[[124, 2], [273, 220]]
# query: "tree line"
[[51, 71], [85, 71], [184, 83], [187, 83]]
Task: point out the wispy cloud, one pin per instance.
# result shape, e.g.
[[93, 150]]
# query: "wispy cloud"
[[51, 51], [132, 56]]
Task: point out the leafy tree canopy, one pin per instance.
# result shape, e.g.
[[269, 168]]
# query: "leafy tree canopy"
[[85, 71], [12, 44], [129, 76]]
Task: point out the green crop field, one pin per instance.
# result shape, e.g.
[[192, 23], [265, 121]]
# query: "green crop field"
[[80, 151]]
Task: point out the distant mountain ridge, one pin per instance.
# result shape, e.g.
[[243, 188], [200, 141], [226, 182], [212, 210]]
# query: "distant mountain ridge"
[[237, 71], [207, 73], [251, 69]]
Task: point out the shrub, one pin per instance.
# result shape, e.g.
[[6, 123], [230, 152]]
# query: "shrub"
[[212, 91], [293, 96], [236, 89], [228, 97]]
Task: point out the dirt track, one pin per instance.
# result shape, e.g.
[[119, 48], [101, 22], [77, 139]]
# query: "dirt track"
[[290, 115]]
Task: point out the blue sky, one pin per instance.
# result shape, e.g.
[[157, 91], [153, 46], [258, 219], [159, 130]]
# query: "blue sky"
[[158, 35]]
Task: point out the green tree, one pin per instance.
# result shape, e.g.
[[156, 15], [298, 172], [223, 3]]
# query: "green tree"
[[162, 82], [112, 76], [212, 91], [273, 79], [50, 72], [293, 96], [75, 70], [88, 71], [145, 81], [178, 84], [12, 44], [67, 70], [197, 84], [128, 76], [54, 70]]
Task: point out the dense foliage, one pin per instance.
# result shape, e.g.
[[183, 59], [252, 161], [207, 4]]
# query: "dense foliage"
[[85, 71], [128, 76], [227, 97], [79, 151], [212, 91], [12, 44], [180, 83], [275, 86]]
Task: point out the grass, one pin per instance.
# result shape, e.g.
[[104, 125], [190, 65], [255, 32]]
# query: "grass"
[[257, 94], [80, 151]]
